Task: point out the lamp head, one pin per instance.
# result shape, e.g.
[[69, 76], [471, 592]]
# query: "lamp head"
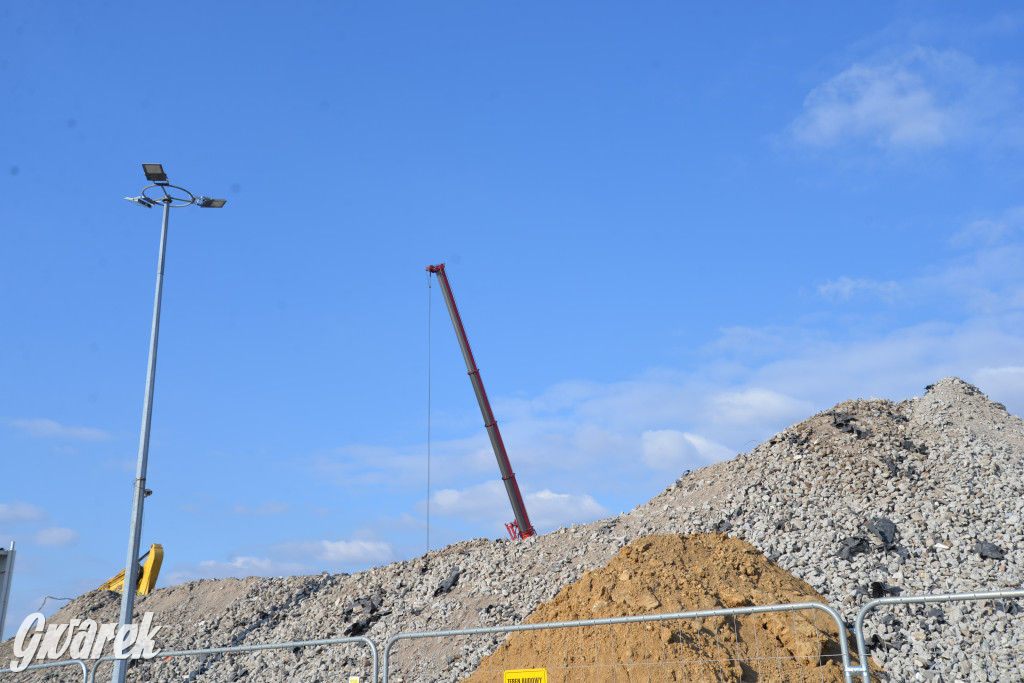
[[155, 172], [144, 202]]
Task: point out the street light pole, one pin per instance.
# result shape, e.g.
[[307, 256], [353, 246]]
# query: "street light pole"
[[131, 573]]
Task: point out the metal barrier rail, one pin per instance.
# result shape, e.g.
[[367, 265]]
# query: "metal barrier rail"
[[917, 600], [50, 665], [849, 670], [841, 630], [251, 648]]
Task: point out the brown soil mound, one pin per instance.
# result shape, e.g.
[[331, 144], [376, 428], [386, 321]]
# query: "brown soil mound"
[[663, 574]]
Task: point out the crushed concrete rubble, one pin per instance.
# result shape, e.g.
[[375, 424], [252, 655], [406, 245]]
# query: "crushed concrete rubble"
[[870, 498]]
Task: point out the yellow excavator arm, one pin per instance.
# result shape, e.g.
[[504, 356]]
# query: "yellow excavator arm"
[[148, 572]]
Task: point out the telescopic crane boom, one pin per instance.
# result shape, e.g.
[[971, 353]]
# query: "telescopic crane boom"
[[521, 527]]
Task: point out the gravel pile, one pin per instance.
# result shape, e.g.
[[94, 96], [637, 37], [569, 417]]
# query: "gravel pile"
[[867, 499]]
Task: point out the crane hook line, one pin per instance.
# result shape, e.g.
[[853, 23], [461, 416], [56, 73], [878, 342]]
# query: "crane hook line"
[[430, 299]]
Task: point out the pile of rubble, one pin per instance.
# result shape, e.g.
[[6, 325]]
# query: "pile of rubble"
[[868, 499]]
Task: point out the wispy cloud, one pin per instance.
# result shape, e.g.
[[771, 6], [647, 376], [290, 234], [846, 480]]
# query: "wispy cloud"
[[1003, 23], [239, 566], [990, 231], [984, 277], [340, 552], [921, 99], [49, 429], [56, 537], [988, 280], [845, 288], [271, 507], [286, 559], [959, 317], [361, 464], [21, 512]]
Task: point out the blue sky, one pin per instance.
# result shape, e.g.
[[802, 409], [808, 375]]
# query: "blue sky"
[[672, 230]]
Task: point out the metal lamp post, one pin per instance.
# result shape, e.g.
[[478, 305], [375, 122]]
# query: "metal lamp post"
[[171, 196]]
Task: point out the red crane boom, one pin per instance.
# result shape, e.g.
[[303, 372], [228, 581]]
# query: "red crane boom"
[[521, 527]]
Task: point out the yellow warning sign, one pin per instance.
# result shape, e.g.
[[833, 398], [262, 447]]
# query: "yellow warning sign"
[[526, 676]]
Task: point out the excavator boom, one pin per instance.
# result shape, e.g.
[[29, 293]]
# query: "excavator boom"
[[148, 573]]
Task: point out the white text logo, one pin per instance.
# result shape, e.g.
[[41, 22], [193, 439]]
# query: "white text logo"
[[82, 639]]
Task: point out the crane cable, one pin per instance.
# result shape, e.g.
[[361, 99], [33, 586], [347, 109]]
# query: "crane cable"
[[429, 316]]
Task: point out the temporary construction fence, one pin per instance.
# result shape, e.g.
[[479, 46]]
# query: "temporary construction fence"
[[943, 645], [50, 665], [362, 670], [801, 642]]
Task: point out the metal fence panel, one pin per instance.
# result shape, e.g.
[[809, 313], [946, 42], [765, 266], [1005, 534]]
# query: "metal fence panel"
[[48, 665], [952, 637], [366, 669], [796, 642]]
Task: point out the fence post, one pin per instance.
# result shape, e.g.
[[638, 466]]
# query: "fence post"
[[50, 665], [256, 648], [841, 627], [862, 649]]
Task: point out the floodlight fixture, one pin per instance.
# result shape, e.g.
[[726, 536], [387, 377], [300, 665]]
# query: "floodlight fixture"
[[155, 172], [144, 202], [207, 203]]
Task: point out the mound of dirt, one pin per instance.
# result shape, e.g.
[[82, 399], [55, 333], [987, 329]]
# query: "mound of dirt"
[[671, 573]]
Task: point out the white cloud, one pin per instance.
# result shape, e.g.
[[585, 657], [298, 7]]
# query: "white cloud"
[[985, 279], [271, 507], [990, 231], [667, 449], [482, 501], [356, 551], [364, 465], [675, 451], [489, 502], [240, 566], [843, 288], [1002, 23], [302, 557], [21, 512], [900, 362], [923, 98], [548, 509], [49, 429], [983, 231], [755, 406], [1003, 384], [887, 104], [249, 565], [56, 537]]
